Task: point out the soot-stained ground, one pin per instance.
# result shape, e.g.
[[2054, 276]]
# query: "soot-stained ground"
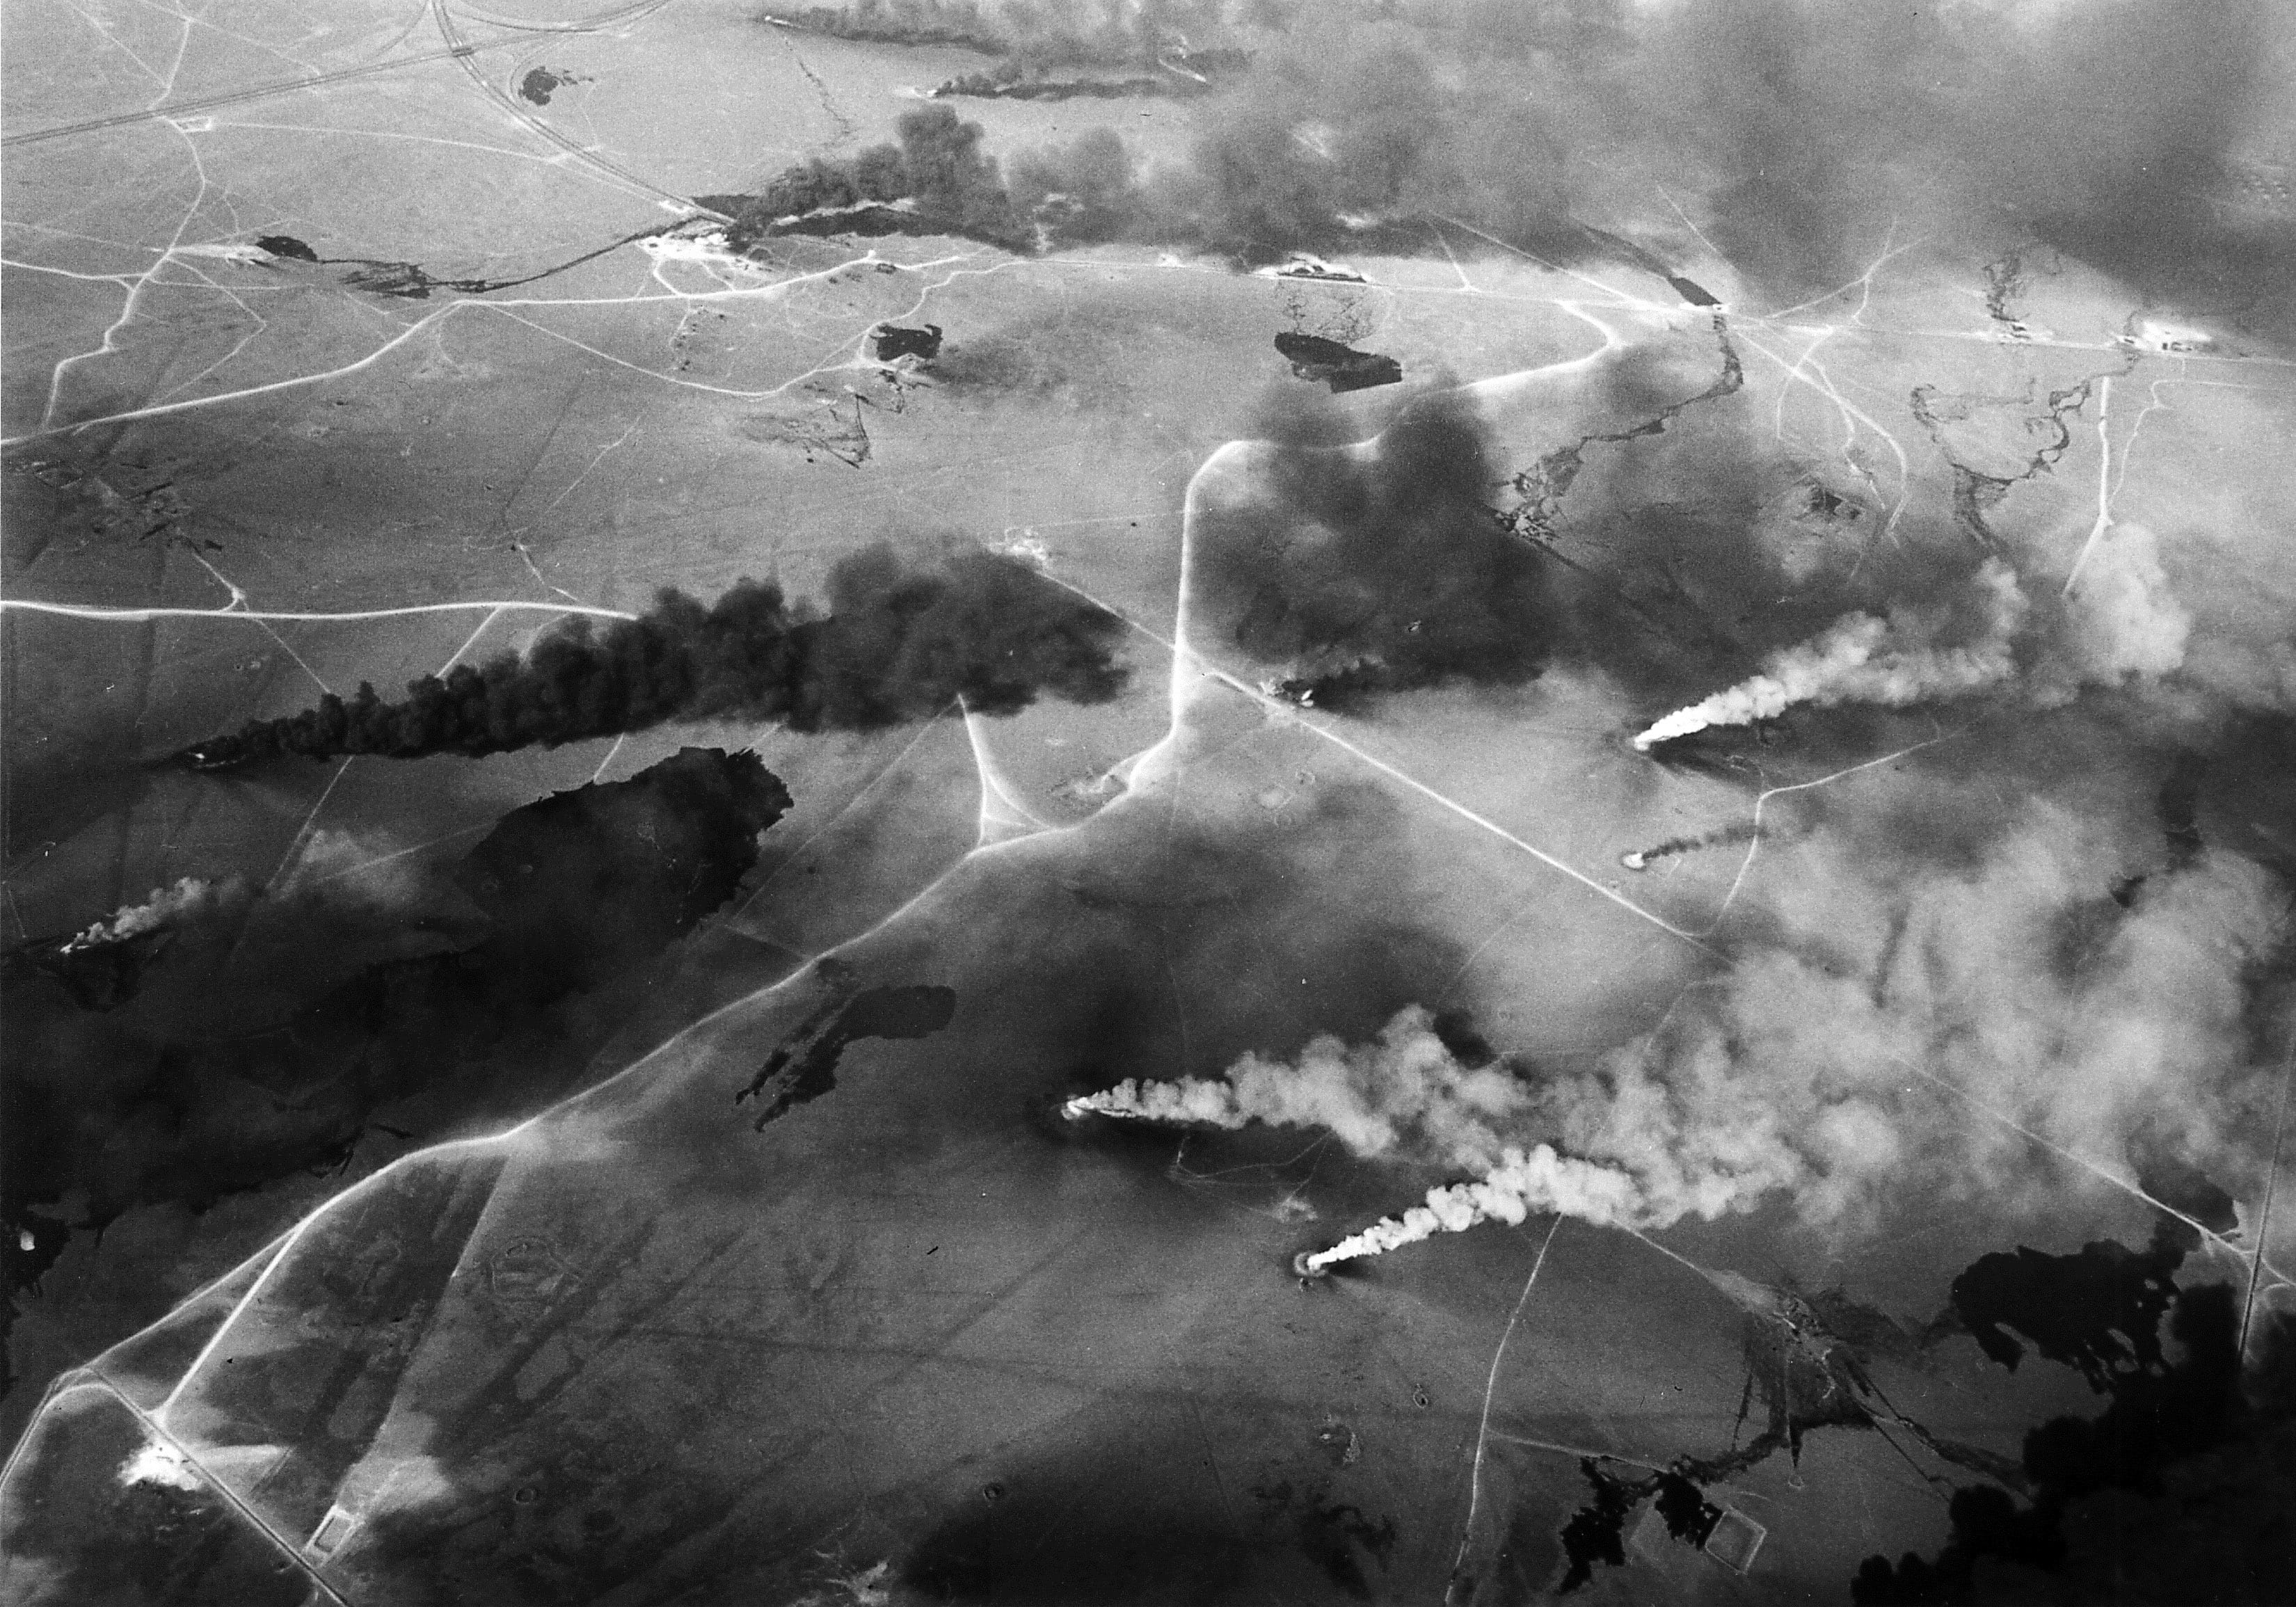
[[1234, 636]]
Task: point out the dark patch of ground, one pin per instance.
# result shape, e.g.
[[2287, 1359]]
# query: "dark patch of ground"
[[2098, 1311], [1338, 368], [890, 340], [2183, 1491], [805, 1067], [178, 1095]]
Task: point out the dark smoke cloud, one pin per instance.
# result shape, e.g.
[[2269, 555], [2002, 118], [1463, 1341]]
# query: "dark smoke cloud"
[[2100, 127], [1797, 133], [1030, 34], [1380, 569], [897, 644], [937, 171], [1080, 192], [1352, 126], [222, 1075]]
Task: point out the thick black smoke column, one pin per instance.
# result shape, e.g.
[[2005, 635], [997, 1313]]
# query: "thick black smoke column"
[[897, 644], [1384, 571]]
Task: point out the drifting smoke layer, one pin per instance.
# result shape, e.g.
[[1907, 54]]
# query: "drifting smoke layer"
[[1866, 660], [2104, 128], [897, 645], [2102, 1029], [1404, 1091], [2106, 1024], [1805, 125]]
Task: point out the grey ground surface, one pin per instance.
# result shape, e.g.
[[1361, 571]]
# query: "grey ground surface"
[[603, 1334]]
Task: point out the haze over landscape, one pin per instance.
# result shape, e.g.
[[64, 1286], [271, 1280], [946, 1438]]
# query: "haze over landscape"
[[1149, 800]]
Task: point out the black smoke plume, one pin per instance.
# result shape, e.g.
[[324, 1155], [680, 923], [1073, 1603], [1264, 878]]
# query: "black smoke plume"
[[937, 171], [1797, 135], [1080, 192], [1028, 36], [1382, 571], [897, 644], [1797, 132]]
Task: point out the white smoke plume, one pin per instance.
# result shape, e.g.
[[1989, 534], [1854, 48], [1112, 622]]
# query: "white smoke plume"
[[1901, 1028], [1524, 1181], [1864, 658], [1404, 1087], [1920, 1038], [2121, 621], [191, 900]]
